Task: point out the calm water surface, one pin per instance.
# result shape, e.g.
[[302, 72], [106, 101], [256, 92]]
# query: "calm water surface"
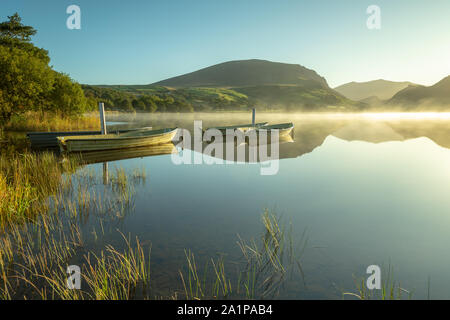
[[367, 190]]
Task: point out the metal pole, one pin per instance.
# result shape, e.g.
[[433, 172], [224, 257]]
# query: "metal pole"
[[101, 108], [253, 116]]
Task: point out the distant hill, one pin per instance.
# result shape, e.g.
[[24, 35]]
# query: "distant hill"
[[245, 73], [372, 101], [230, 86], [433, 98], [266, 85], [381, 89]]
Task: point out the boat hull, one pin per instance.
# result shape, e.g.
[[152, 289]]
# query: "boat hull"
[[284, 129], [113, 142], [243, 127]]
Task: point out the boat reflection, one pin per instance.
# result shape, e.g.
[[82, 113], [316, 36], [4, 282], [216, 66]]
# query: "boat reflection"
[[242, 152], [115, 155]]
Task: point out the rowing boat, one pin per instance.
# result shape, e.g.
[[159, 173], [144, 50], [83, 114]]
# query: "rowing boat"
[[137, 138], [241, 127], [42, 140], [284, 129]]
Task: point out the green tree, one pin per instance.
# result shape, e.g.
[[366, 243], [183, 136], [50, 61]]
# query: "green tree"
[[14, 29], [25, 82], [14, 34], [138, 104], [125, 105], [66, 96]]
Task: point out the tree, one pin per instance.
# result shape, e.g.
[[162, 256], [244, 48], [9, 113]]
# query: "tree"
[[66, 96], [149, 102], [14, 34], [14, 29], [138, 104], [126, 105], [25, 82]]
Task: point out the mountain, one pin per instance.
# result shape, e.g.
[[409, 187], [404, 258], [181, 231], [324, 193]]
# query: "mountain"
[[245, 73], [381, 89], [435, 97], [372, 101], [266, 85]]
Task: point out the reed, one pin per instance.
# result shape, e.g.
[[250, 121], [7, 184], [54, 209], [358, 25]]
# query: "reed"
[[26, 180], [391, 289], [265, 266], [119, 276], [33, 256], [44, 121]]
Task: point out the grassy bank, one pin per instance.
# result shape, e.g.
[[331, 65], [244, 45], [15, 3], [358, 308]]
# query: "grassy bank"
[[42, 121], [26, 180]]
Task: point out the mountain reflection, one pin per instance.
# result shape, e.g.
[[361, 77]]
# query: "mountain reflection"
[[311, 130]]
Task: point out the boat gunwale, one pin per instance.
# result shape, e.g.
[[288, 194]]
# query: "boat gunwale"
[[280, 126], [108, 137], [247, 125]]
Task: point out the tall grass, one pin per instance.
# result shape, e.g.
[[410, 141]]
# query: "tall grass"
[[42, 121], [26, 180], [391, 289], [265, 267], [34, 256]]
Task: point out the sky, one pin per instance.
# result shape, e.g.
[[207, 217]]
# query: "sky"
[[144, 41]]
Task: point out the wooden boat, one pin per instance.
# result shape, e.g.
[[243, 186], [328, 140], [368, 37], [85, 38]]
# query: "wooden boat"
[[242, 127], [137, 138], [284, 129], [41, 140]]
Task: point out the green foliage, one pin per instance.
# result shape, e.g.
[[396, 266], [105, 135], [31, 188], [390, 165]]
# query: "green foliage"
[[67, 96], [14, 34], [309, 96], [28, 83], [116, 98], [15, 29]]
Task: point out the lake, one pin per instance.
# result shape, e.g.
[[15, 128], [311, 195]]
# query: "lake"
[[360, 189]]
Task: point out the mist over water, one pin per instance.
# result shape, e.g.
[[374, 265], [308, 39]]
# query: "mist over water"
[[368, 188]]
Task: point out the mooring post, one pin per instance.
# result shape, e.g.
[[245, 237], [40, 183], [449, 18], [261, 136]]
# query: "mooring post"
[[253, 116], [105, 173], [101, 108]]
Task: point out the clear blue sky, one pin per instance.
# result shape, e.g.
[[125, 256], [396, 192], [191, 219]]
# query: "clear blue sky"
[[143, 41]]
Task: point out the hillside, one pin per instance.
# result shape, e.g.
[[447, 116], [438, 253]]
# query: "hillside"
[[230, 86], [432, 98], [245, 73], [266, 85], [381, 89]]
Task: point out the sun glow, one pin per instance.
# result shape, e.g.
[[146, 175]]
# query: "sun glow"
[[408, 115]]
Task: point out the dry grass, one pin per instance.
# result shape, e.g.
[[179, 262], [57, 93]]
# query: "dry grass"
[[38, 121], [34, 256], [26, 180], [267, 263]]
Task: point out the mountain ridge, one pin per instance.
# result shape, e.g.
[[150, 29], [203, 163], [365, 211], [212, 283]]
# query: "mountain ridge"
[[244, 73], [434, 97], [267, 84], [380, 88]]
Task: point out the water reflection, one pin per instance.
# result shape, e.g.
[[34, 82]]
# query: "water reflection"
[[130, 153], [370, 191]]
